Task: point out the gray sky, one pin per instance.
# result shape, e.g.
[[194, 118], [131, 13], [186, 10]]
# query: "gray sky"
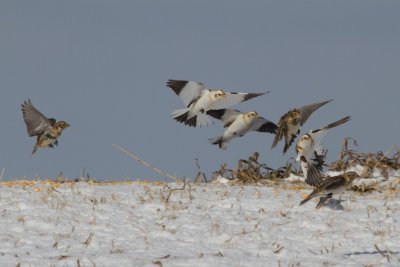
[[102, 66]]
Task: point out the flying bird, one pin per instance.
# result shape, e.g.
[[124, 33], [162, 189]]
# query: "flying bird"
[[331, 185], [46, 129], [198, 99], [290, 123], [237, 124], [310, 147]]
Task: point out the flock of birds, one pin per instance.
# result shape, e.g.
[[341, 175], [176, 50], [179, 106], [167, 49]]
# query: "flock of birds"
[[201, 103]]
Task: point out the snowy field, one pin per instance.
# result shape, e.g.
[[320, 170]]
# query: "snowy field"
[[147, 224]]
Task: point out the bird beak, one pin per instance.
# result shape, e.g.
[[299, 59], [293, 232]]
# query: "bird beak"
[[67, 125]]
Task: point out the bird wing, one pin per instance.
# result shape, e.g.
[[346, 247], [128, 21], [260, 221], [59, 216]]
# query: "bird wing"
[[282, 128], [306, 111], [318, 134], [231, 99], [264, 125], [312, 174], [188, 91], [332, 183], [35, 121], [337, 123], [227, 116]]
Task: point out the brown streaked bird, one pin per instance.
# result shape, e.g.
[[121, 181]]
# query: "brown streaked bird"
[[198, 99], [237, 124], [310, 147], [46, 129], [290, 123], [331, 185]]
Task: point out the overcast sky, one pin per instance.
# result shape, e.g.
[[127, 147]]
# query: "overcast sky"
[[102, 66]]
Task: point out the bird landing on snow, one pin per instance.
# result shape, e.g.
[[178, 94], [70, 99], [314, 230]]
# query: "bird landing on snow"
[[310, 147], [331, 185]]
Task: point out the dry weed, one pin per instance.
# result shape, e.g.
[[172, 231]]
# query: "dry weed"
[[250, 171], [369, 161]]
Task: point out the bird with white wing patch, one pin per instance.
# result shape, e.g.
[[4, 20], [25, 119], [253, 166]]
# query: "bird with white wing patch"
[[310, 147], [198, 99], [237, 124]]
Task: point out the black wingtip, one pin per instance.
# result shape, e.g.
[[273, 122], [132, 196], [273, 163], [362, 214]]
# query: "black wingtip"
[[192, 122], [216, 113], [182, 118], [252, 95], [176, 85], [268, 127]]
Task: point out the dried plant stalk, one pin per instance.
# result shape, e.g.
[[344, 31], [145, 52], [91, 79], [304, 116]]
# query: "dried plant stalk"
[[148, 165], [250, 171], [369, 161]]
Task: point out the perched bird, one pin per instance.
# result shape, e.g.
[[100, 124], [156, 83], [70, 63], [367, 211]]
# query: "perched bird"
[[46, 129], [239, 123], [331, 185], [290, 123], [198, 99], [310, 147]]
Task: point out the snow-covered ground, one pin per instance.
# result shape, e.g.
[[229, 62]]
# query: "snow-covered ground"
[[148, 224]]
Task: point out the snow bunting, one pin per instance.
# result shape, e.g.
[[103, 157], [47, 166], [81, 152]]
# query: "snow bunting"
[[198, 99], [238, 123], [46, 129], [290, 123], [310, 147], [331, 185]]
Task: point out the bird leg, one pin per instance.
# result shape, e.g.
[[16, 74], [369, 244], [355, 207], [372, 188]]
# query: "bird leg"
[[322, 200], [54, 144]]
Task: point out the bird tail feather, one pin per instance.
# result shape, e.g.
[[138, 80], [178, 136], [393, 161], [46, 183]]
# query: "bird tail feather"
[[203, 120], [219, 141], [34, 150], [180, 114]]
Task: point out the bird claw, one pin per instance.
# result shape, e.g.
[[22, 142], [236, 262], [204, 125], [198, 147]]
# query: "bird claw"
[[54, 144]]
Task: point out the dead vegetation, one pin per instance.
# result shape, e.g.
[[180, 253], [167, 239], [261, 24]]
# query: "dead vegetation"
[[250, 171], [369, 161], [148, 165], [166, 191]]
